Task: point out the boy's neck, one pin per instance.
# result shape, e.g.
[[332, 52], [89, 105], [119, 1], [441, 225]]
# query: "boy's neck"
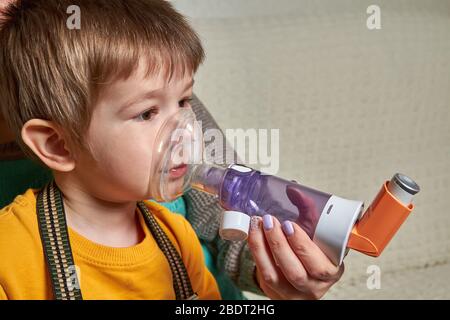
[[106, 223]]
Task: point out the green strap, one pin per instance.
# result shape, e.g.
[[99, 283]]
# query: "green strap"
[[55, 240], [58, 253], [181, 284]]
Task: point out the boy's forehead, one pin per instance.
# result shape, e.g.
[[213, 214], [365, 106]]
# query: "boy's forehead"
[[158, 82], [141, 84], [157, 79]]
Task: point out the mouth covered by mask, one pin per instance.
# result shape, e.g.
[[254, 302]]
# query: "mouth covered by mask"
[[335, 224], [179, 147]]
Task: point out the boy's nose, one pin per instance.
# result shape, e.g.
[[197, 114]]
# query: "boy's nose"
[[173, 108]]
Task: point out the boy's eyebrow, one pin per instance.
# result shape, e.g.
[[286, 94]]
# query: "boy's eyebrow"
[[150, 94]]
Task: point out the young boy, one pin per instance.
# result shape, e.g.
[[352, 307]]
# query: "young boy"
[[88, 102]]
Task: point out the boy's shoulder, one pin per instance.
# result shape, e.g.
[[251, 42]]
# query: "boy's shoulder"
[[19, 213], [19, 233]]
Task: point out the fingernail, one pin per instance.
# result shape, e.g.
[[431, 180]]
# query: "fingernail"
[[254, 223], [288, 228], [267, 222]]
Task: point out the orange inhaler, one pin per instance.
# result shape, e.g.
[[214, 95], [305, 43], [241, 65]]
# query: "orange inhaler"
[[384, 216]]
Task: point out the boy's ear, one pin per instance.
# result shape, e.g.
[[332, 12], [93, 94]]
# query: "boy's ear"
[[46, 140]]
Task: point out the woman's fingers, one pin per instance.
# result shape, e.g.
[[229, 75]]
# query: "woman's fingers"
[[270, 278], [314, 260], [284, 257], [271, 293], [280, 271], [261, 253]]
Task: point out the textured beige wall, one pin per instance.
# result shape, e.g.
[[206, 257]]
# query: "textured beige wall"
[[353, 106]]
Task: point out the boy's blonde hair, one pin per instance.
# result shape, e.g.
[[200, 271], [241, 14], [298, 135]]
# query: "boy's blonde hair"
[[51, 72]]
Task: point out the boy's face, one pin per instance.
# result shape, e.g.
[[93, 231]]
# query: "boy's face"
[[124, 124]]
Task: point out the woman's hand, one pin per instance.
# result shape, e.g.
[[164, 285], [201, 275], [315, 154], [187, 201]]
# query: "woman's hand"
[[289, 265]]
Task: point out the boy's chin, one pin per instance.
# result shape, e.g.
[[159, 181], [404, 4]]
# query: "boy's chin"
[[174, 189]]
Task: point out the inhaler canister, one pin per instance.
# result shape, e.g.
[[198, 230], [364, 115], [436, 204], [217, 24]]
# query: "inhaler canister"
[[384, 216], [403, 188]]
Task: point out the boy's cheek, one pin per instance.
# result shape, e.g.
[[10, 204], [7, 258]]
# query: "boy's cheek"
[[123, 159], [124, 178]]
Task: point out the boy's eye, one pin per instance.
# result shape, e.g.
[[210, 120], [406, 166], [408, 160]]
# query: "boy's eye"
[[150, 114], [147, 115], [185, 102]]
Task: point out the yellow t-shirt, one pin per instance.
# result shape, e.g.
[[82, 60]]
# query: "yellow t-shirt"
[[138, 272]]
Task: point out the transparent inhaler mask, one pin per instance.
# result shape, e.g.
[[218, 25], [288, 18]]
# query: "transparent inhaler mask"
[[179, 146]]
